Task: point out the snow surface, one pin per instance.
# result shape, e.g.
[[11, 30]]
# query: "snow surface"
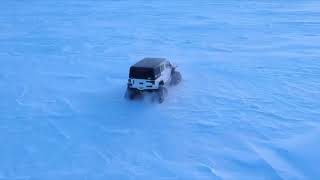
[[248, 107]]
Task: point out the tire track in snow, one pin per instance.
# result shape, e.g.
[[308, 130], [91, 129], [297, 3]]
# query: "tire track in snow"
[[209, 169], [284, 169], [59, 130], [69, 104], [21, 96]]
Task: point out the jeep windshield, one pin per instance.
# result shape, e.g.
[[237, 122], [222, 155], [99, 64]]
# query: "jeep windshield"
[[142, 73]]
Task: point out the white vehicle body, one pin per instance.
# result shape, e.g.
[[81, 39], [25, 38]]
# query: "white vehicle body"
[[151, 75], [162, 79]]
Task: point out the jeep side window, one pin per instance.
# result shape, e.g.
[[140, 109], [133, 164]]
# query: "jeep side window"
[[168, 65], [157, 72], [161, 68]]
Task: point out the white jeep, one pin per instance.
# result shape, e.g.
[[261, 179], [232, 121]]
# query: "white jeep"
[[152, 75]]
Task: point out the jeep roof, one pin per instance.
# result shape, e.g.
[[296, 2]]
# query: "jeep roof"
[[149, 62]]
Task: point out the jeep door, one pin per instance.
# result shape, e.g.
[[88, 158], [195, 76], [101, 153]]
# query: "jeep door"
[[166, 72]]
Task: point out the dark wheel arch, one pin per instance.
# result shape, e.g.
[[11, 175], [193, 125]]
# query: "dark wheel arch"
[[175, 78]]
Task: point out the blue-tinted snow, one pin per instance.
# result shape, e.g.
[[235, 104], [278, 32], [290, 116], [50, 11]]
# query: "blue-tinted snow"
[[248, 107]]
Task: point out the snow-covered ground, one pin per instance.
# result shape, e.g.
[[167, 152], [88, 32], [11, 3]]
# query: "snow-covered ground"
[[248, 108]]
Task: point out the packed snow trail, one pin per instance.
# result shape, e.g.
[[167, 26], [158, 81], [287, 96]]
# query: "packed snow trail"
[[248, 106]]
